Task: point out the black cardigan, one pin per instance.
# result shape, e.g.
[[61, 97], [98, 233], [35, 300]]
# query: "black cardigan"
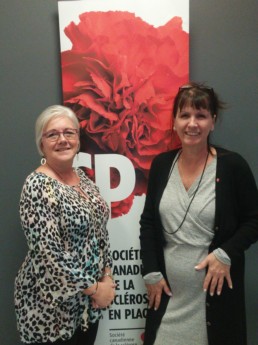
[[236, 228]]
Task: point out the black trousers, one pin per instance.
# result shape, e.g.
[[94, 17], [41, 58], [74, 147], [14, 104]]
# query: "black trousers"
[[79, 337]]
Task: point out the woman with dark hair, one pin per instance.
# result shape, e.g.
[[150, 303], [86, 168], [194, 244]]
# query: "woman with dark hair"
[[200, 215], [65, 279]]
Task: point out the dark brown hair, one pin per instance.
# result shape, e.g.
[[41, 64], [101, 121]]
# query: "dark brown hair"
[[198, 96]]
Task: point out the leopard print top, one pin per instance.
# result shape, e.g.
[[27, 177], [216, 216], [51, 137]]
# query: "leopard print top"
[[68, 250]]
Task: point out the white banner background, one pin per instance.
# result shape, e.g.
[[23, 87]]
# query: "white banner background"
[[123, 323]]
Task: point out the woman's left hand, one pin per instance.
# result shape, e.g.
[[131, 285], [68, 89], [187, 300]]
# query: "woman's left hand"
[[216, 273]]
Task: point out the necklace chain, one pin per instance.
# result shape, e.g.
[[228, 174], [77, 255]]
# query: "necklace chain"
[[195, 192]]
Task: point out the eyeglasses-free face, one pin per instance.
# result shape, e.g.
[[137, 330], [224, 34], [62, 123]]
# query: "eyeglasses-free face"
[[193, 126], [54, 135]]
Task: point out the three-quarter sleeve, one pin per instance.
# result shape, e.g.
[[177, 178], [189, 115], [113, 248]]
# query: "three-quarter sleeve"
[[60, 274]]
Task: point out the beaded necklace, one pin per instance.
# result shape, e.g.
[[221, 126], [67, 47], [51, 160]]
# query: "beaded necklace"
[[195, 192]]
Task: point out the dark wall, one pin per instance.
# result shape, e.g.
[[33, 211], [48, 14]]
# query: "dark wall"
[[223, 53]]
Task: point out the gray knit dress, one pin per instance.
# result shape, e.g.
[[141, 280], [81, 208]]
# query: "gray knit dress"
[[184, 322]]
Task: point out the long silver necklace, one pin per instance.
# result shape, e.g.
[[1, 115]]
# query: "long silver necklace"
[[196, 190]]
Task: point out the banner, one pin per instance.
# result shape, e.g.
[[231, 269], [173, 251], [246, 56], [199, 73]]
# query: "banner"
[[122, 62]]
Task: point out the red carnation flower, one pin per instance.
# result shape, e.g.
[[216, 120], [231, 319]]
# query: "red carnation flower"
[[120, 77]]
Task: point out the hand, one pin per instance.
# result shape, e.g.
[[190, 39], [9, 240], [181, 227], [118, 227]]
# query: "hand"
[[217, 272], [155, 292], [105, 293]]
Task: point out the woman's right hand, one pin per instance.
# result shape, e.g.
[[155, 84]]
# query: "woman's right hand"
[[155, 292], [105, 294]]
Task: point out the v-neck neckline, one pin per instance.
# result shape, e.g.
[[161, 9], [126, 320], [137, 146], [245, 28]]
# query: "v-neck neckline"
[[189, 192]]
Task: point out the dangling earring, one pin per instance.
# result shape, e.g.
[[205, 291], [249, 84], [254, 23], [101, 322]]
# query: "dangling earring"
[[43, 161], [174, 129]]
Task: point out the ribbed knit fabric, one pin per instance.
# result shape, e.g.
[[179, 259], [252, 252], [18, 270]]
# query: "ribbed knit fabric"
[[184, 322]]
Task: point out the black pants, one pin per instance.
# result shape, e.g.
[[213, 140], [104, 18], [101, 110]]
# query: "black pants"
[[79, 337]]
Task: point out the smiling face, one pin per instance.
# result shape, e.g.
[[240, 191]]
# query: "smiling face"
[[62, 150], [193, 126]]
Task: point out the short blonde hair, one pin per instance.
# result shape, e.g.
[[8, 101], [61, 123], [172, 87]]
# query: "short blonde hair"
[[49, 114]]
